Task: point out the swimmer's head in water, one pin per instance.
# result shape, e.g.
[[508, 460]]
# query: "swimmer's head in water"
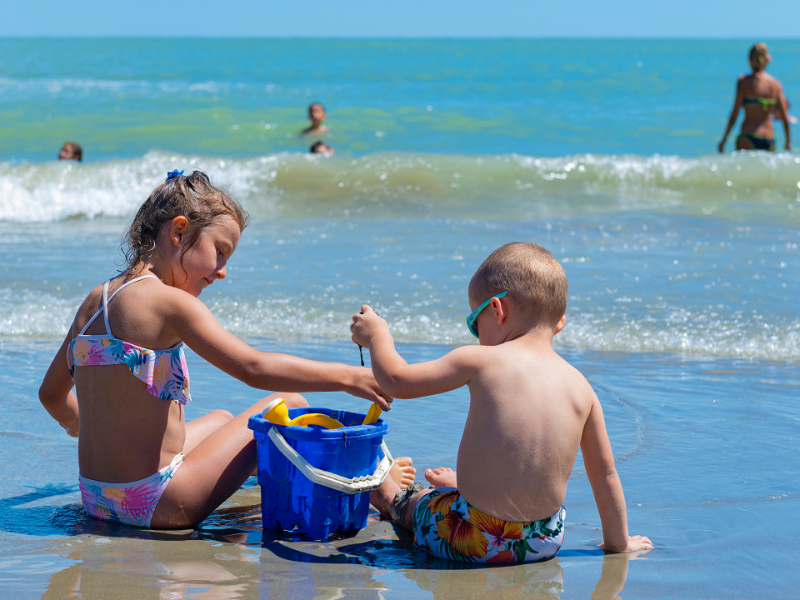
[[320, 147], [316, 113], [70, 151], [759, 57]]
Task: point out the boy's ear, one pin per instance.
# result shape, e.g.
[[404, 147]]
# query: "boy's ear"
[[560, 325], [500, 311]]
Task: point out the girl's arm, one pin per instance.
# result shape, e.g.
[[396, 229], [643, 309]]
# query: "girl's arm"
[[193, 323], [395, 375], [56, 393], [598, 459], [737, 106]]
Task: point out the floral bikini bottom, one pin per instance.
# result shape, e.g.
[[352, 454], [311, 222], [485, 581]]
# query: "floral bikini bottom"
[[131, 503]]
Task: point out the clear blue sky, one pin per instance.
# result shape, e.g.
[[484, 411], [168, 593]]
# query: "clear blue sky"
[[748, 19]]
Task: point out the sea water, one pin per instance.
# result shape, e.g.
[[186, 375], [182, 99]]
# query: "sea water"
[[682, 265]]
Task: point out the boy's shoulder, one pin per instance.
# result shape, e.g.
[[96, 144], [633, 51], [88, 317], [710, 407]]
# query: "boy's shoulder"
[[544, 363]]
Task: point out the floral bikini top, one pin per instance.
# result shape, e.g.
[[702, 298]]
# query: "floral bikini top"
[[164, 372]]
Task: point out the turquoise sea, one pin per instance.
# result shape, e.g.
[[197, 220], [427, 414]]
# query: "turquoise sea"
[[682, 263]]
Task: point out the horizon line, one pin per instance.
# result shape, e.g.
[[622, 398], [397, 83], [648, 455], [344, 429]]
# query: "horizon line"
[[395, 37]]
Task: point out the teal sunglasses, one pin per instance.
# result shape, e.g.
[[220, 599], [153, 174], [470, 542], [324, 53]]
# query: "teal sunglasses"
[[473, 316]]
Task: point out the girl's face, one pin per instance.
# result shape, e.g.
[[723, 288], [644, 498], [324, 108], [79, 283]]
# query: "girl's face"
[[206, 260]]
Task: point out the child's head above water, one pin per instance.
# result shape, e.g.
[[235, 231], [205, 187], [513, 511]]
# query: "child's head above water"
[[532, 276], [316, 113], [70, 151], [191, 196]]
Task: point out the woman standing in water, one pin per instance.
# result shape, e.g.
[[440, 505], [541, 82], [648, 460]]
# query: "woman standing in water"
[[758, 93]]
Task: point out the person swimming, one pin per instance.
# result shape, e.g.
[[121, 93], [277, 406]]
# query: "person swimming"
[[761, 97], [320, 147], [316, 114], [70, 151]]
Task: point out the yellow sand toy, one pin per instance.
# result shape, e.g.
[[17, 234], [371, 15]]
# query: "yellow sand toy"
[[373, 415], [276, 412]]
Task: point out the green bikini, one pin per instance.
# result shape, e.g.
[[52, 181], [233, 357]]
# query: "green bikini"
[[759, 142]]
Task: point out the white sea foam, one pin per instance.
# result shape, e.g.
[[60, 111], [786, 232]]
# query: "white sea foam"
[[35, 315], [388, 184]]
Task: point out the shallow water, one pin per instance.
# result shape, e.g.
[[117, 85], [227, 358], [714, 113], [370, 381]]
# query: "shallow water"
[[706, 450], [682, 312]]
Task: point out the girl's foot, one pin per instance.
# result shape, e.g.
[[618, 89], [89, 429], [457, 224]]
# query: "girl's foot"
[[402, 472]]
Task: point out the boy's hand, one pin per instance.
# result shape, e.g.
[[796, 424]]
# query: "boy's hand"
[[635, 544], [366, 325]]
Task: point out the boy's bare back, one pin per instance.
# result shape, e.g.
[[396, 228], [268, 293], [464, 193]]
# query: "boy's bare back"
[[527, 411]]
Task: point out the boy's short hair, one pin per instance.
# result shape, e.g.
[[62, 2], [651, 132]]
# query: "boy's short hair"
[[533, 277]]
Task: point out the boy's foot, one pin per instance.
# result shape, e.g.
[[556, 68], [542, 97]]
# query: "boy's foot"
[[402, 472], [441, 477]]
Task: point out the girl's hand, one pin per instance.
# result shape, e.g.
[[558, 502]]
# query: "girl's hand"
[[366, 325], [365, 386]]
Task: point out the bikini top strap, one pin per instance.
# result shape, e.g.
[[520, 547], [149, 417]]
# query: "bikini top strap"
[[106, 300]]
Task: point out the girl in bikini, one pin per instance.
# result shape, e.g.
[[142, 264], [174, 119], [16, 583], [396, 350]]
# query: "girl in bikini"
[[759, 94], [140, 462]]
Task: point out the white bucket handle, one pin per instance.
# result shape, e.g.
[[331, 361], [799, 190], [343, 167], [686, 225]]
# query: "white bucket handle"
[[355, 485]]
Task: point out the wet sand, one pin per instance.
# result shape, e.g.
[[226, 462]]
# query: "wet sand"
[[229, 557]]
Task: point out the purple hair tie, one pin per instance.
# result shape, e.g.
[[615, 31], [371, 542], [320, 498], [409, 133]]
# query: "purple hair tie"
[[174, 174]]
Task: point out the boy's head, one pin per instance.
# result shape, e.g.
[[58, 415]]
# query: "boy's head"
[[320, 147], [533, 277], [316, 113], [70, 151]]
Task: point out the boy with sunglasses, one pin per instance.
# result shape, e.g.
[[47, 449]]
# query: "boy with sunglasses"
[[529, 413]]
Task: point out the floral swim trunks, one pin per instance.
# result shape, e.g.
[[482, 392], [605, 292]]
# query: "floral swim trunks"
[[131, 503], [449, 527]]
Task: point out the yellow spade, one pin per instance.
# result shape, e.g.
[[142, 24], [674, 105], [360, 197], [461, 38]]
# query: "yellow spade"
[[276, 412], [373, 415]]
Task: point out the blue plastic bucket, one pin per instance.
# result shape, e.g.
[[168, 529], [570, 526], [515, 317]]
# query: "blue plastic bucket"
[[326, 489]]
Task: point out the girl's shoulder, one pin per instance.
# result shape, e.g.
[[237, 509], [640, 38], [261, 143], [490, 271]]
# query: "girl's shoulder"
[[150, 294], [90, 305]]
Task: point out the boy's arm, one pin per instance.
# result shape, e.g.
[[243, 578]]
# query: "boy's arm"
[[395, 376], [606, 486]]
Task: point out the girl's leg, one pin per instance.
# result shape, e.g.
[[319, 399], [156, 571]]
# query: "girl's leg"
[[200, 428], [215, 467]]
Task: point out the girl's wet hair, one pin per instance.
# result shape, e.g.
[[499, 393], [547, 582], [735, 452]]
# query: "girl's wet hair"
[[191, 196]]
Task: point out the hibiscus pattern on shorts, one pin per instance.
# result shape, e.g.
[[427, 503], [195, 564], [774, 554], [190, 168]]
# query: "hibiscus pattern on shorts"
[[449, 527]]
